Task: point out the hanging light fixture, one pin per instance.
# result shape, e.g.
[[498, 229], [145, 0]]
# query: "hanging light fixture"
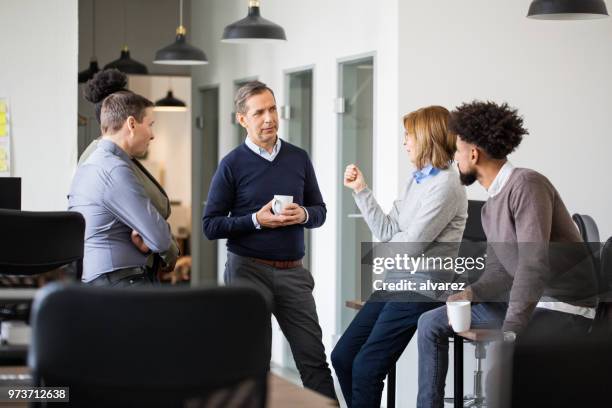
[[169, 103], [253, 28], [88, 73], [567, 9], [180, 52], [124, 63]]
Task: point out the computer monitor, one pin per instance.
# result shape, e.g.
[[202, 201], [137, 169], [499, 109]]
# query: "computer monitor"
[[10, 193]]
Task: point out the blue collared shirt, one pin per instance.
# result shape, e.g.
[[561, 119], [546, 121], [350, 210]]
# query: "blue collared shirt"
[[270, 157], [427, 171], [113, 202], [263, 152]]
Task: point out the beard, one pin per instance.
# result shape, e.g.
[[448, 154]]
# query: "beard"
[[467, 179]]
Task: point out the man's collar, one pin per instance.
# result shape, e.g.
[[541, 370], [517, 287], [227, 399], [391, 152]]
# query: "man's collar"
[[113, 148], [500, 180], [251, 145]]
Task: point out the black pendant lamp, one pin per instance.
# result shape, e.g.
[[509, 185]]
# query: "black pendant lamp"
[[180, 52], [567, 9], [253, 28], [125, 63], [88, 73], [170, 104]]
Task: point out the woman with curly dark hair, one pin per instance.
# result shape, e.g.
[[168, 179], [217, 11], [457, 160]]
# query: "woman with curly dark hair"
[[114, 104], [525, 214]]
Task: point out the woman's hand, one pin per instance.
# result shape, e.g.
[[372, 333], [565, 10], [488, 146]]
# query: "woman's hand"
[[139, 242], [353, 178]]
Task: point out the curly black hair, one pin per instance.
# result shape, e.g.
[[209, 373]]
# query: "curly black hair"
[[497, 129], [103, 84]]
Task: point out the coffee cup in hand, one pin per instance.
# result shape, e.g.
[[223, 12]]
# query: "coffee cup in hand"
[[459, 315], [280, 202]]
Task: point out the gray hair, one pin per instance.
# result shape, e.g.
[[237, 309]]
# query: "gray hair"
[[246, 91]]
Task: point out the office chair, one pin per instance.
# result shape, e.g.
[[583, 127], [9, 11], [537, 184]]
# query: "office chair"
[[603, 316], [11, 193], [587, 227], [32, 243], [152, 347], [35, 242]]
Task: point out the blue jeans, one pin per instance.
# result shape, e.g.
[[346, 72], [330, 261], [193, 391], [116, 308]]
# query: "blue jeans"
[[433, 335], [371, 345]]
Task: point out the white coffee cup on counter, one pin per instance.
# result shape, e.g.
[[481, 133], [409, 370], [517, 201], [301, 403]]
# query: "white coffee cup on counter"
[[459, 315], [280, 202]]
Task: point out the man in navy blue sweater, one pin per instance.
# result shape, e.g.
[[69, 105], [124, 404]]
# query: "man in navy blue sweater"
[[265, 250]]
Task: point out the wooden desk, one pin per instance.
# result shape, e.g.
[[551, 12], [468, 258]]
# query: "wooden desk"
[[281, 393]]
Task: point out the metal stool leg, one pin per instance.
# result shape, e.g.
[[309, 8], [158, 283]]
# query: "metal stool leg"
[[477, 398], [391, 388], [458, 359]]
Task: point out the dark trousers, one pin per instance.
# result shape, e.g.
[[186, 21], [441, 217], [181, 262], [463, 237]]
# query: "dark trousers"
[[126, 278], [288, 293], [373, 343]]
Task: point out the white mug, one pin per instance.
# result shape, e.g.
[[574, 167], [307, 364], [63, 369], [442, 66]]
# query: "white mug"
[[280, 202], [459, 315]]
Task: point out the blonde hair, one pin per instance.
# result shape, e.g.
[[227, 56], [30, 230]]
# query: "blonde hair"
[[435, 144]]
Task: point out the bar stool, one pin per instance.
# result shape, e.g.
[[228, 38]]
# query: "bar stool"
[[480, 338]]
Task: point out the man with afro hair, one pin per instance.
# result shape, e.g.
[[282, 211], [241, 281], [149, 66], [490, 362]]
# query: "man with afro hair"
[[524, 288]]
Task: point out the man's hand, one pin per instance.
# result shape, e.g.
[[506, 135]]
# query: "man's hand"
[[165, 267], [294, 214], [267, 219], [139, 242], [353, 178], [461, 296]]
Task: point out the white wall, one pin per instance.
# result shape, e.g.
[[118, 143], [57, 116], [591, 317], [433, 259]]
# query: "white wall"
[[38, 72], [556, 73], [319, 33]]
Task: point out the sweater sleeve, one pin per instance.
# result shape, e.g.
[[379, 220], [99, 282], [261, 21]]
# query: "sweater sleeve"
[[126, 199], [438, 207], [313, 200], [383, 226], [494, 282], [532, 205], [217, 221]]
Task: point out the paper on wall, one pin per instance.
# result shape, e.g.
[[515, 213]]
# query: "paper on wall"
[[5, 138]]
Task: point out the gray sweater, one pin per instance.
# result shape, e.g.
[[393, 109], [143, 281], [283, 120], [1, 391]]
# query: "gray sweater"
[[535, 251], [433, 211]]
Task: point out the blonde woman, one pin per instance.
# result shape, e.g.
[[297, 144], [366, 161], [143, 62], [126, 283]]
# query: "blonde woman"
[[432, 208]]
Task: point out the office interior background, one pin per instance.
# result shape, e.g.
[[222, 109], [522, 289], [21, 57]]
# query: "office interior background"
[[345, 77]]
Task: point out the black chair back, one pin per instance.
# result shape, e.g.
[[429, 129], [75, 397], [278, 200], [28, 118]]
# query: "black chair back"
[[473, 227], [152, 347], [474, 240], [587, 227], [11, 193], [603, 317], [37, 242], [590, 235]]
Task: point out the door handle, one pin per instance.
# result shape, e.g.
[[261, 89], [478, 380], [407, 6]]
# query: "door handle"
[[357, 215]]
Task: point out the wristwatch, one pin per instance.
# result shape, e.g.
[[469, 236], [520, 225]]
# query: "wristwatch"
[[509, 336]]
